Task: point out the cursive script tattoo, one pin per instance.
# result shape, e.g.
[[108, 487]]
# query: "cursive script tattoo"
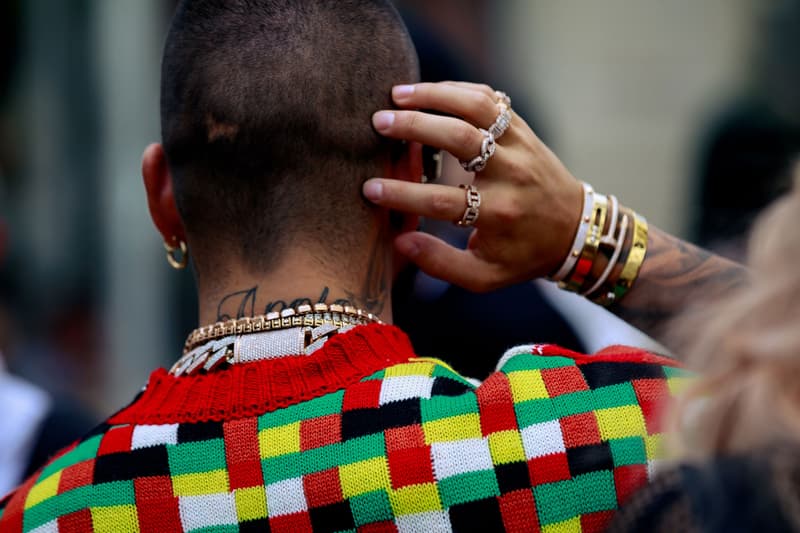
[[675, 276], [242, 304]]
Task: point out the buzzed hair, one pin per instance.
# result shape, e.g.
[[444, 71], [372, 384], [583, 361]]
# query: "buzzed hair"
[[266, 119]]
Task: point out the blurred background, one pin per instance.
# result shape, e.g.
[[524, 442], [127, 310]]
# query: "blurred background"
[[687, 110]]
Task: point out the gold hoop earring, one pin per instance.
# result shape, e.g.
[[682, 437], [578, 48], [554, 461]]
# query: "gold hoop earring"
[[178, 263]]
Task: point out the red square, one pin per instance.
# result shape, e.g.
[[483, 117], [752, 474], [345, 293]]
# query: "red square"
[[411, 466], [158, 509], [549, 469], [362, 395], [519, 511], [563, 380], [649, 390], [76, 476], [596, 522], [77, 522], [496, 405], [653, 416], [380, 527], [321, 431], [323, 488], [116, 440], [580, 430], [296, 523], [242, 454], [629, 479], [404, 437]]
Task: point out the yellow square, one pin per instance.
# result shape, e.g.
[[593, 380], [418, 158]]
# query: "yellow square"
[[654, 447], [43, 490], [114, 519], [251, 504], [415, 499], [215, 482], [677, 386], [363, 477], [453, 428], [282, 440], [410, 369], [527, 385], [573, 525], [506, 447], [621, 422]]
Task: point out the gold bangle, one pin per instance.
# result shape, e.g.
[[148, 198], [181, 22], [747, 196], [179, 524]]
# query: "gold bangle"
[[635, 259], [591, 247]]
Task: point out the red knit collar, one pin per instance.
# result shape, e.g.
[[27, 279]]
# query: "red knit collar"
[[255, 388]]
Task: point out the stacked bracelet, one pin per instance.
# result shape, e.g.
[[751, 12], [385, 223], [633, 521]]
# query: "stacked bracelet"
[[608, 251]]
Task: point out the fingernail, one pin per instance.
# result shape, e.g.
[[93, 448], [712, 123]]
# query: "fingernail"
[[373, 190], [383, 120], [403, 91], [407, 247]]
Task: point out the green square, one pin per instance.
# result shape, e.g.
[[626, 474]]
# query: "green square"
[[83, 452], [322, 406], [62, 504], [534, 412], [361, 449], [440, 407], [573, 403], [218, 529], [556, 502], [535, 362], [197, 457], [370, 508], [280, 468], [615, 396], [468, 487], [630, 451], [113, 494], [597, 492], [320, 459]]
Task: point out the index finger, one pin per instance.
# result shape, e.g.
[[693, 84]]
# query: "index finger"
[[430, 200]]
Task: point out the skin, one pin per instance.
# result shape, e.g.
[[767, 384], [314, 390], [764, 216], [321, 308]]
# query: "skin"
[[530, 212]]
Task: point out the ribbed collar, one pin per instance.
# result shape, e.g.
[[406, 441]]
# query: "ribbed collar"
[[252, 389]]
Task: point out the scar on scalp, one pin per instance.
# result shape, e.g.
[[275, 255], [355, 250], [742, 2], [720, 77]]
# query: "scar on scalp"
[[219, 131]]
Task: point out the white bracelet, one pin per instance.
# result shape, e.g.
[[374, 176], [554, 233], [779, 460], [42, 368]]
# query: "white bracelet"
[[580, 237], [620, 241]]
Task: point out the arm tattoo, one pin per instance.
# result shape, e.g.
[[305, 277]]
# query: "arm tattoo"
[[674, 276]]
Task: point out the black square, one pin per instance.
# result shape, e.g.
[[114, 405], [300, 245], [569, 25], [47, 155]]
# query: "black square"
[[200, 431], [125, 466], [512, 476], [255, 526], [360, 422], [481, 515], [604, 374], [590, 459], [335, 517], [400, 414], [448, 387]]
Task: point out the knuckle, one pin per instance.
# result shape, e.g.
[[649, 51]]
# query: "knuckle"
[[441, 203], [465, 135]]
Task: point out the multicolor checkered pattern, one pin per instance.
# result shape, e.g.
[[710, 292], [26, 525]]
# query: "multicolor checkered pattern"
[[548, 443]]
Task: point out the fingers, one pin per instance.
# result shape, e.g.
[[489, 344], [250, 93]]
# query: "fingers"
[[429, 200], [476, 106], [443, 261], [456, 136]]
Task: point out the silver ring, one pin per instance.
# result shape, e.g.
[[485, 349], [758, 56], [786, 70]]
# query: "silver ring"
[[488, 148], [503, 121], [503, 98], [473, 210]]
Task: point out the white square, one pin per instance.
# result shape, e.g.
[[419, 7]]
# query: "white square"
[[460, 456], [543, 439], [210, 510], [286, 497], [50, 527], [432, 522], [397, 389], [150, 436]]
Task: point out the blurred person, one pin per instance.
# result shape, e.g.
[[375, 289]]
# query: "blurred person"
[[293, 409]]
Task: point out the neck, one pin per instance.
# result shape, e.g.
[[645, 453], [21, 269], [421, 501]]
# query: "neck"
[[301, 279]]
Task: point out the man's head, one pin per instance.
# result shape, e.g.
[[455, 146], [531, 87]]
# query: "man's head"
[[265, 111]]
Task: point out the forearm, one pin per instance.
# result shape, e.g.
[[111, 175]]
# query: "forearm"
[[675, 275]]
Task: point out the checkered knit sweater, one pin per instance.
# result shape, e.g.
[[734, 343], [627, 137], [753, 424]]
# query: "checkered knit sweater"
[[364, 436]]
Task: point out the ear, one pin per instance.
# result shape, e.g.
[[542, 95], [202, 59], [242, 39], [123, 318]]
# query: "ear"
[[160, 195]]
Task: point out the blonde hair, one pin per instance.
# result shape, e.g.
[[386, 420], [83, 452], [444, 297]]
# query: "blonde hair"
[[748, 350]]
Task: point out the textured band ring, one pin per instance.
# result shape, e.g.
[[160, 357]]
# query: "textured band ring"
[[503, 98], [488, 148], [473, 210], [503, 121]]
